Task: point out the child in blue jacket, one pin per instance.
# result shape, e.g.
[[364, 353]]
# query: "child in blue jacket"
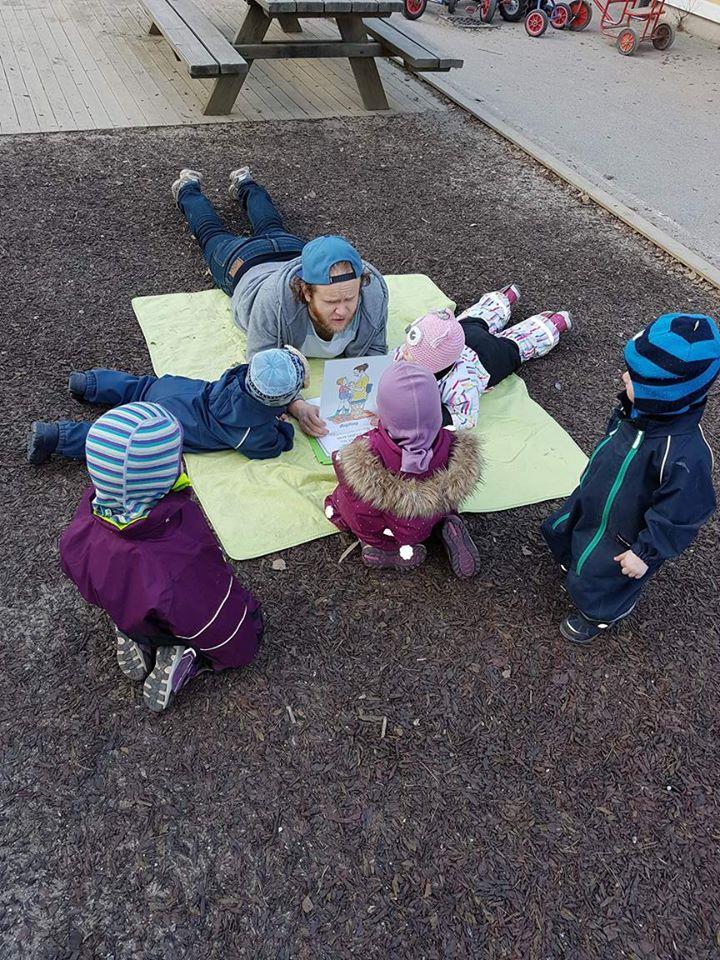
[[647, 489], [241, 411]]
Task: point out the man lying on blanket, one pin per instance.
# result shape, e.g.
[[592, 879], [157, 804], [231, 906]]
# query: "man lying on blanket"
[[319, 297]]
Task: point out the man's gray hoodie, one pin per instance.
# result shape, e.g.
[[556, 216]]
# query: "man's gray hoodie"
[[265, 308]]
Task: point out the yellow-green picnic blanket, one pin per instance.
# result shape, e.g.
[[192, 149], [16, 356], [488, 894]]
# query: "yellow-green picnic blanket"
[[258, 507]]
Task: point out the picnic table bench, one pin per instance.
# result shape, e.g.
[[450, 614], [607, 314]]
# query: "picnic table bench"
[[365, 34]]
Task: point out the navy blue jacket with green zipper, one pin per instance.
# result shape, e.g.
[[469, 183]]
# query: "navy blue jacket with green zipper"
[[647, 488]]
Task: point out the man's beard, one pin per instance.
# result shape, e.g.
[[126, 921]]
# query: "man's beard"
[[324, 329]]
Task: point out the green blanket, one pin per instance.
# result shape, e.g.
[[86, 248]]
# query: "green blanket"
[[258, 507]]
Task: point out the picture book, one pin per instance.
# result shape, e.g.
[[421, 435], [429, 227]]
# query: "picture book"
[[348, 403]]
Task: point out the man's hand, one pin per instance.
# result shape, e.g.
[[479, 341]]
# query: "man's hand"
[[631, 566], [308, 418]]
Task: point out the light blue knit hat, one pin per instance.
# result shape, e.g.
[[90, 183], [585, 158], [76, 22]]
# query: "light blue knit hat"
[[275, 377], [134, 456]]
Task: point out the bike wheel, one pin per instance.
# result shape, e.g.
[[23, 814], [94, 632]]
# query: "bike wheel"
[[581, 15], [560, 17], [536, 23], [627, 42], [414, 9], [663, 36], [486, 10], [512, 10]]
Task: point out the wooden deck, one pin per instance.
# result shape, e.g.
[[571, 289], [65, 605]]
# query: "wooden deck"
[[90, 65]]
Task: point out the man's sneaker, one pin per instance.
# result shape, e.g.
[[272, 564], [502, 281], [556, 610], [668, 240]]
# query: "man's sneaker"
[[562, 321], [406, 558], [174, 666], [236, 178], [512, 292], [42, 441], [579, 630], [461, 550], [77, 385], [134, 662], [186, 177]]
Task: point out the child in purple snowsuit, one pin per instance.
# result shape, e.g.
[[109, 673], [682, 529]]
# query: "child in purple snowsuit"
[[141, 549], [400, 481]]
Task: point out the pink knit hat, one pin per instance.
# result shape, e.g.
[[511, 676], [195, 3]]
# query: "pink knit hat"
[[435, 341]]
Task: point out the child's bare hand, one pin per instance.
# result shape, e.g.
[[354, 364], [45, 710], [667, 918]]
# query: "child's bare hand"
[[631, 565]]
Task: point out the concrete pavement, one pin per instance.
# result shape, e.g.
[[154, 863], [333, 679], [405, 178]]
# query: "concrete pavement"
[[645, 128]]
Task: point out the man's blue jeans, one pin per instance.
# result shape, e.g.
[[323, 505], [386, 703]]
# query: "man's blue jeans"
[[228, 254]]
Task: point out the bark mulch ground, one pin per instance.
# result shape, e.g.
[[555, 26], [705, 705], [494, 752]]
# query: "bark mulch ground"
[[527, 800]]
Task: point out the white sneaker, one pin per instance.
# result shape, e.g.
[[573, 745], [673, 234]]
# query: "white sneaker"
[[236, 178], [186, 176]]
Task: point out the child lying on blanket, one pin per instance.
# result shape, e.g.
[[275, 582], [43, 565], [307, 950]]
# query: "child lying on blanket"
[[141, 549], [476, 351], [648, 487], [242, 410], [406, 477]]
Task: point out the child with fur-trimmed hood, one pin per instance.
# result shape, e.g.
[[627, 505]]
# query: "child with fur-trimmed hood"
[[400, 481]]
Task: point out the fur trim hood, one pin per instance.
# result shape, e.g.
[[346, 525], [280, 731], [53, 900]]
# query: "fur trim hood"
[[407, 498]]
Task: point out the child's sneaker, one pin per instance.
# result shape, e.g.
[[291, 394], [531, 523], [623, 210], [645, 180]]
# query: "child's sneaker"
[[134, 662], [42, 441], [562, 321], [406, 558], [186, 176], [174, 666], [512, 292], [236, 178], [579, 630], [461, 550], [77, 385]]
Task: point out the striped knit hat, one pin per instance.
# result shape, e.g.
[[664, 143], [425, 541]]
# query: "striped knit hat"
[[672, 363], [134, 456]]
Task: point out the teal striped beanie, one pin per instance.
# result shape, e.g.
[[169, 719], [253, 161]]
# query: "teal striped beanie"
[[134, 456]]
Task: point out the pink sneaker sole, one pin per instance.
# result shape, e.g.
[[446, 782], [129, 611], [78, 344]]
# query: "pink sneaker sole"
[[512, 292], [562, 321], [461, 550]]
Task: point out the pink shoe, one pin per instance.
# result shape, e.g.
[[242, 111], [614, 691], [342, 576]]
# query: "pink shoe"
[[406, 558], [562, 320], [512, 292]]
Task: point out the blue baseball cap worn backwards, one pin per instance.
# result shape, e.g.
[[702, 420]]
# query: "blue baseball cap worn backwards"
[[322, 253], [672, 363]]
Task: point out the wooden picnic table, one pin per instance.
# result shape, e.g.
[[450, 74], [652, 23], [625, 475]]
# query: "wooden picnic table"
[[365, 34]]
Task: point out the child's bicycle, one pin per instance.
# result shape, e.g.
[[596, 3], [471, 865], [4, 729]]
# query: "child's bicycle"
[[414, 9], [510, 10], [575, 16]]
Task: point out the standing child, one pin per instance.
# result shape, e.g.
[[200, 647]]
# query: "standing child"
[[406, 477], [647, 489], [140, 548], [477, 350], [240, 411]]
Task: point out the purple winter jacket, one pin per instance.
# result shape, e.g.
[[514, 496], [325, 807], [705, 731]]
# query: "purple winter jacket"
[[164, 575], [388, 509]]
